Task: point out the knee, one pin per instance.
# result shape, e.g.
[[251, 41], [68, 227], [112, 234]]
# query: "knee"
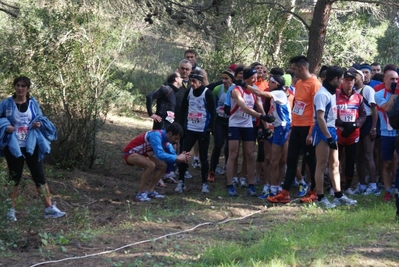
[[387, 164]]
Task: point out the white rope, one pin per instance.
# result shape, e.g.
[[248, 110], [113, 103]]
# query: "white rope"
[[145, 241]]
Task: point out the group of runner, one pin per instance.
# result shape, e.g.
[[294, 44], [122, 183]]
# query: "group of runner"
[[338, 117]]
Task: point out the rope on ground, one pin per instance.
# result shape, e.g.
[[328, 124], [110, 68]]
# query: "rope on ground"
[[145, 241]]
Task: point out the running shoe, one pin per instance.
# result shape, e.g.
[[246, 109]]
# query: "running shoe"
[[372, 191], [265, 192], [311, 198], [282, 197], [243, 182], [205, 188], [187, 175], [387, 197], [349, 191], [219, 170], [196, 164], [53, 212], [303, 190], [211, 177], [251, 192], [235, 181], [232, 192], [344, 200], [11, 215], [155, 194], [180, 187], [359, 190], [325, 203]]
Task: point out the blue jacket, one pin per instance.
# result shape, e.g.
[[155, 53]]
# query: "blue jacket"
[[162, 148], [39, 137]]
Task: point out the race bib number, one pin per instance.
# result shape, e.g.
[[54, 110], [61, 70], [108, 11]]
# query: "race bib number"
[[299, 107], [22, 133], [195, 117], [246, 115], [170, 116], [347, 115]]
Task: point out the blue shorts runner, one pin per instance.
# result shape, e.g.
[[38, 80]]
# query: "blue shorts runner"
[[318, 136]]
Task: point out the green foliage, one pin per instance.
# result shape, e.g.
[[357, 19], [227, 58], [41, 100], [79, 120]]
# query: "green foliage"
[[388, 46], [345, 30], [68, 52]]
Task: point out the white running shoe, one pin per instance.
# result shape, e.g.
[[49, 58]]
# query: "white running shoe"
[[53, 212], [187, 175], [205, 188], [324, 203], [180, 187], [344, 200], [243, 182]]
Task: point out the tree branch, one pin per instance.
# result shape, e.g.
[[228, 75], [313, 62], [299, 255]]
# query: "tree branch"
[[286, 10]]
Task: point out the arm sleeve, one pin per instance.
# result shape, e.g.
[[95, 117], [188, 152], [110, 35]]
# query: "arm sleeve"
[[154, 95], [184, 109], [379, 98], [210, 100], [155, 139]]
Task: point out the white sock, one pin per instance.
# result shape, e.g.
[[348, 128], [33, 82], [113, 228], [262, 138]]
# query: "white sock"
[[274, 189]]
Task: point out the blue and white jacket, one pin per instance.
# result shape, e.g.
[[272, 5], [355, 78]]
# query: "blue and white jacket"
[[40, 137]]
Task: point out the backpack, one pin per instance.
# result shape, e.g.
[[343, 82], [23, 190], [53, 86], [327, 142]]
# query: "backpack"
[[393, 114]]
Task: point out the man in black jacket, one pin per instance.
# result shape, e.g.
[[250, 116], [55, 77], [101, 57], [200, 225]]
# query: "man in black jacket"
[[166, 102]]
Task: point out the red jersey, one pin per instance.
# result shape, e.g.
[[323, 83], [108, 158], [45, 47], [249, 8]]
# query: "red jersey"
[[349, 109]]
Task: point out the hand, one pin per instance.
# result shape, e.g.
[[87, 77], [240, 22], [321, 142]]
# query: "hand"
[[309, 139], [241, 83], [183, 157], [393, 87], [267, 118], [156, 118], [331, 143], [10, 129], [373, 134], [349, 127], [36, 124], [268, 134]]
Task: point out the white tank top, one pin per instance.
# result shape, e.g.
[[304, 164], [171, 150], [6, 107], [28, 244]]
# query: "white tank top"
[[197, 117], [21, 124], [238, 118]]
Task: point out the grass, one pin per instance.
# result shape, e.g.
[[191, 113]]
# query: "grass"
[[101, 216], [315, 238]]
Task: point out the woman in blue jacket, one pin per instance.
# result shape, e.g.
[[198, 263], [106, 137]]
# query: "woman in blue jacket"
[[25, 136]]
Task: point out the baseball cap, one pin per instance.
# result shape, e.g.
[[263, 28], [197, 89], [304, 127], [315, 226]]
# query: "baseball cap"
[[349, 74]]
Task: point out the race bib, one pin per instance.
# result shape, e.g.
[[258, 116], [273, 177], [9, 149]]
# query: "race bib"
[[170, 116], [299, 107], [194, 117], [347, 115], [22, 133]]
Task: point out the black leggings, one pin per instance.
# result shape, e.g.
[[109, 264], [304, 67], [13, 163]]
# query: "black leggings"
[[203, 144], [296, 145], [16, 166], [350, 158], [220, 136]]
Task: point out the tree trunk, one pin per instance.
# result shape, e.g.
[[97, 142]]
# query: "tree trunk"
[[317, 33]]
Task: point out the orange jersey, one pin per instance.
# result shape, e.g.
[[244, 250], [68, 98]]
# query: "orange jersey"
[[303, 110], [262, 85]]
